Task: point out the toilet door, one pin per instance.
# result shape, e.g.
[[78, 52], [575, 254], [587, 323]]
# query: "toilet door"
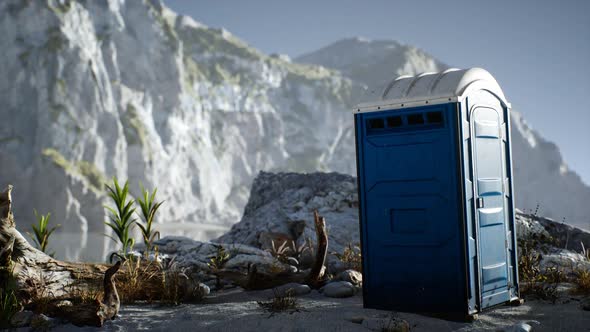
[[491, 214]]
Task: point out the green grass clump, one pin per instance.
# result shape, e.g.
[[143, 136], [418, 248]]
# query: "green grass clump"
[[42, 232], [149, 207], [121, 215], [8, 307]]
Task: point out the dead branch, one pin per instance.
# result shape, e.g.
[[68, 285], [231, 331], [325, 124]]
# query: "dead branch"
[[315, 278]]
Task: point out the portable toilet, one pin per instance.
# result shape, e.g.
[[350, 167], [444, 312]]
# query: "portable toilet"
[[436, 203]]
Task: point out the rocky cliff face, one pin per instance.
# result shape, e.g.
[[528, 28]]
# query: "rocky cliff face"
[[95, 89]]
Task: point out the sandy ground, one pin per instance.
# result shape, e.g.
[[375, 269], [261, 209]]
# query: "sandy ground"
[[236, 310]]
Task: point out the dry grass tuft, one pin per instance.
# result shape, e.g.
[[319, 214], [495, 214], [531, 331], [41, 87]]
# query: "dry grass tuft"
[[80, 294], [280, 303], [37, 288], [134, 278], [352, 257], [582, 280], [152, 281]]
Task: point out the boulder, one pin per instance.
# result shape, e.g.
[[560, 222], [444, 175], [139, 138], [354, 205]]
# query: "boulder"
[[293, 289], [352, 276], [22, 318], [339, 289]]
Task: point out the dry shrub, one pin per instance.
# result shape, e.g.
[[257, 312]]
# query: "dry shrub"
[[536, 282], [281, 302], [352, 257], [37, 289], [85, 294], [135, 279], [164, 282], [582, 280]]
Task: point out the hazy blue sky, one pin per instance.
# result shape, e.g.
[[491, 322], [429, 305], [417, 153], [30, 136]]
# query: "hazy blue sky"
[[539, 51]]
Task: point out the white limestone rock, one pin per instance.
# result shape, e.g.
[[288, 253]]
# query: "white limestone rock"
[[97, 89], [352, 276]]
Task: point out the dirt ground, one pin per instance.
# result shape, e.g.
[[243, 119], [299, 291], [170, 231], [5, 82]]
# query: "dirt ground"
[[237, 310]]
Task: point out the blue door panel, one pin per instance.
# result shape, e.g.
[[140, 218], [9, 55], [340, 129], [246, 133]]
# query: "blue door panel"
[[410, 212], [491, 212]]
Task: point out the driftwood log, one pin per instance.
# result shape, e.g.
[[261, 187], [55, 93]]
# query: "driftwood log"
[[55, 287]]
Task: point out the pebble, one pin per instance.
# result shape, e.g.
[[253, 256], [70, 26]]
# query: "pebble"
[[42, 322], [293, 288], [203, 289], [519, 327]]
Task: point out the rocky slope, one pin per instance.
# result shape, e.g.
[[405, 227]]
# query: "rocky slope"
[[543, 181], [281, 208]]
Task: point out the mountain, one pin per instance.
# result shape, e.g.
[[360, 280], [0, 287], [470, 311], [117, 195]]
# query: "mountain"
[[373, 63], [543, 182], [96, 89]]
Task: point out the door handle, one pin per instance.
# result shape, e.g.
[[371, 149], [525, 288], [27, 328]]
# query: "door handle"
[[479, 203]]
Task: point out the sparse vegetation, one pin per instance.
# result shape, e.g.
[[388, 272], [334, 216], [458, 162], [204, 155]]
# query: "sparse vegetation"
[[149, 207], [351, 256], [93, 177], [39, 293], [581, 278], [217, 262], [281, 302], [535, 281], [121, 216], [152, 281], [8, 307], [132, 282], [85, 294], [42, 232], [280, 252]]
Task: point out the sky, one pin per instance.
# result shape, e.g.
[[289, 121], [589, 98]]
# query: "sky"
[[538, 51]]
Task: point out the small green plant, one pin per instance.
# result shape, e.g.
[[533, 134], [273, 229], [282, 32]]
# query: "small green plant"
[[351, 256], [42, 232], [8, 307], [121, 216], [149, 207], [217, 263], [281, 302]]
